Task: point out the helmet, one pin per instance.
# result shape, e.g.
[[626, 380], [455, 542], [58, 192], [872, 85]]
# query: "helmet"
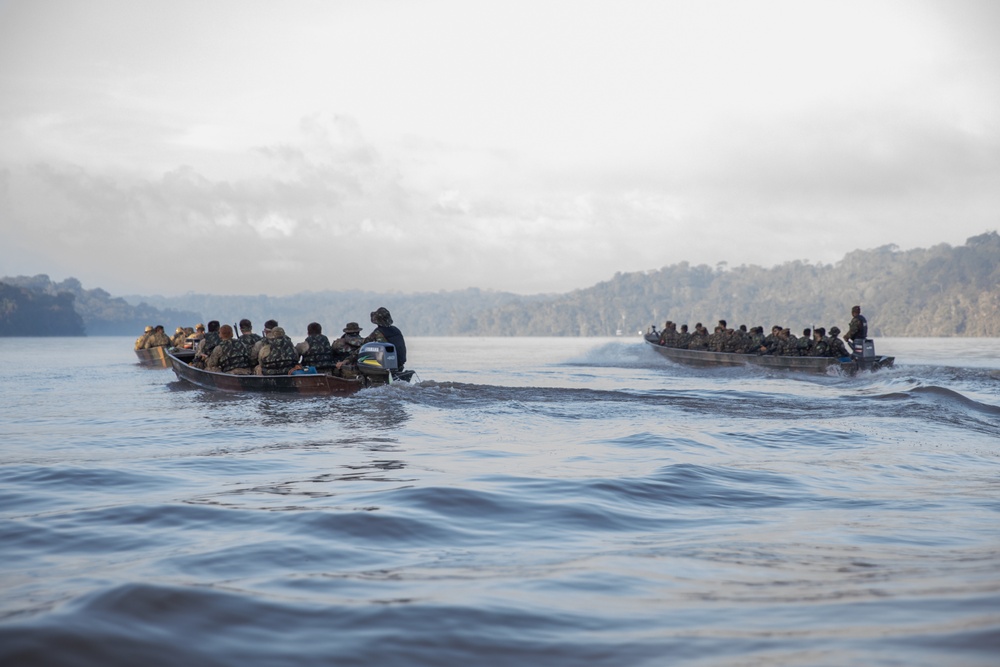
[[381, 317], [834, 331], [148, 329]]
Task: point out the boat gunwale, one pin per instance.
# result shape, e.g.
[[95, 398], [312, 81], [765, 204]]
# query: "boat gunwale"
[[309, 383]]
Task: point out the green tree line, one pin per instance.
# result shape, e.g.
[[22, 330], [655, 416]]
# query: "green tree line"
[[938, 291]]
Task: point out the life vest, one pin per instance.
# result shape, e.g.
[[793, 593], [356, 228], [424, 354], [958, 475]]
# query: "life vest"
[[395, 336], [281, 358], [319, 354], [210, 341], [234, 355]]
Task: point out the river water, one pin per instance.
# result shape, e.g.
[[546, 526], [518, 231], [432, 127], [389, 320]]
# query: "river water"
[[528, 502]]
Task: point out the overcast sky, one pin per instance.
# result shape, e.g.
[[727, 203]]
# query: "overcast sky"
[[541, 146]]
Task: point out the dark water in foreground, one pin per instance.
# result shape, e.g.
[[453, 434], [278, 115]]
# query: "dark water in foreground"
[[530, 502]]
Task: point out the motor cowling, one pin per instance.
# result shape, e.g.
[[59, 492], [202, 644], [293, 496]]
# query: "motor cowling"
[[377, 360]]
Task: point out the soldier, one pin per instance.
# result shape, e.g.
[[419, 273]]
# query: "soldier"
[[157, 339], [230, 355], [683, 338], [669, 335], [268, 327], [207, 344], [820, 345], [247, 336], [857, 330], [193, 339], [804, 347], [835, 345], [315, 349], [384, 332], [277, 355], [141, 340], [699, 339], [345, 351], [178, 339]]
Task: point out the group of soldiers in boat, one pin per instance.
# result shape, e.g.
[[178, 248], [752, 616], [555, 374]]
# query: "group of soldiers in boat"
[[220, 349], [781, 341]]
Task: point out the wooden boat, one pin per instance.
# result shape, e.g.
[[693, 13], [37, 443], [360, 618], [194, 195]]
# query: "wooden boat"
[[316, 384], [778, 362], [153, 356]]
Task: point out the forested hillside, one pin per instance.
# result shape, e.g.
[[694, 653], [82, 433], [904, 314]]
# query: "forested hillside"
[[25, 312], [101, 314], [939, 291]]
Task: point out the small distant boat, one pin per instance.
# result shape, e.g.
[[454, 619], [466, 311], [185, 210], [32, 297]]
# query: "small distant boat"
[[869, 362], [154, 357]]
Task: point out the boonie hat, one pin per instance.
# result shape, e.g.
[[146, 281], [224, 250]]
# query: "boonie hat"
[[352, 327]]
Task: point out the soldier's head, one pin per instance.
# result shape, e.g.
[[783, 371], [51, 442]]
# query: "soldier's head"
[[381, 318], [807, 332], [276, 332], [722, 323], [225, 332], [148, 329], [200, 327], [159, 327], [270, 324], [179, 330], [856, 310], [352, 327], [834, 331], [819, 332], [246, 325], [314, 328], [684, 328]]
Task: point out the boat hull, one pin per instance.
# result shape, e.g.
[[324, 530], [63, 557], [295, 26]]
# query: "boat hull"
[[153, 356], [778, 362], [308, 384]]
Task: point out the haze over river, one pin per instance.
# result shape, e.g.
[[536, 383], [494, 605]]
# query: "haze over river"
[[528, 502]]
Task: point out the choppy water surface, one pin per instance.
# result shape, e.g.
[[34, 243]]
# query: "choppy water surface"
[[529, 502]]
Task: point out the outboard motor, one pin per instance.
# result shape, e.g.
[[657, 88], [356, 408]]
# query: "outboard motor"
[[377, 361], [864, 349]]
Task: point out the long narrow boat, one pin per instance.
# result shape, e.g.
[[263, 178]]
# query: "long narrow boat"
[[153, 356], [316, 384], [803, 364]]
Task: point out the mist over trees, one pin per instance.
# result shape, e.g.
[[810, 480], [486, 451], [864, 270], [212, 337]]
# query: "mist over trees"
[[938, 291], [96, 312]]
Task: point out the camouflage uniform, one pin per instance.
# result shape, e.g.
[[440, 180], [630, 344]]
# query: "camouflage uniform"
[[699, 339], [277, 355], [141, 340], [157, 339], [804, 346], [317, 352], [250, 339], [230, 356], [178, 339], [820, 346], [836, 346]]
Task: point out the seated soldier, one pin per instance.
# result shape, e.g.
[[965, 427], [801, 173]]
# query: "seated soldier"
[[158, 338], [141, 340], [836, 347], [247, 336], [316, 350], [277, 355], [230, 355], [178, 339], [344, 349], [820, 345]]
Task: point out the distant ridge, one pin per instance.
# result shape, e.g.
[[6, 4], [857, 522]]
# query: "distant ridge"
[[97, 313], [939, 291]]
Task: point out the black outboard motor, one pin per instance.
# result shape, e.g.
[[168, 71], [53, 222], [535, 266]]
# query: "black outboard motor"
[[864, 348]]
